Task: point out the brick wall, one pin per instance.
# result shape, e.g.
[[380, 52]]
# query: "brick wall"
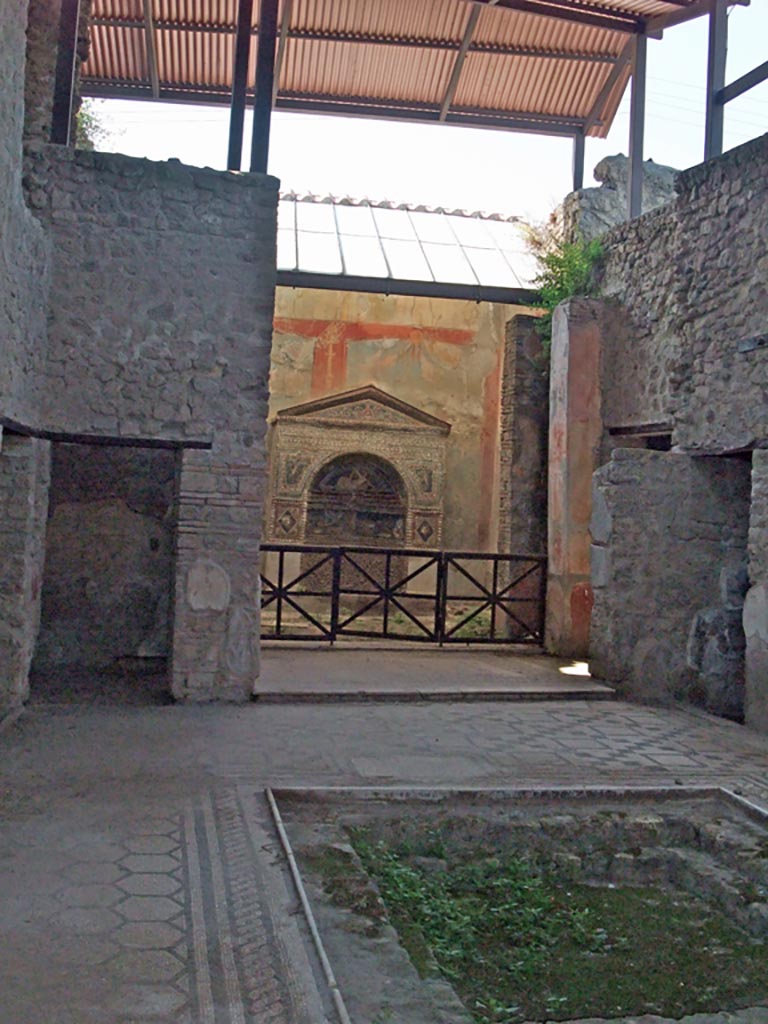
[[523, 428]]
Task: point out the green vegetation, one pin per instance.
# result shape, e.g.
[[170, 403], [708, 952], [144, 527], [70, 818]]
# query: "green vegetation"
[[89, 129], [566, 269], [517, 944]]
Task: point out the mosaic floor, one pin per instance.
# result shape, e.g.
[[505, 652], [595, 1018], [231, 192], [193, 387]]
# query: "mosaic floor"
[[140, 876]]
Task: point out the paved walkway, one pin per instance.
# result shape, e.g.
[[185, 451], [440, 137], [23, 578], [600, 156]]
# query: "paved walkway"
[[378, 672], [140, 878]]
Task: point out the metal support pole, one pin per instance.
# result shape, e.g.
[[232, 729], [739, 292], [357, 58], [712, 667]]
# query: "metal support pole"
[[637, 127], [64, 82], [265, 77], [239, 84], [718, 50], [578, 161]]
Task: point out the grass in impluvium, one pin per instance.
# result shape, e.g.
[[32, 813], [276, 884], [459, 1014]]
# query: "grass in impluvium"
[[519, 945]]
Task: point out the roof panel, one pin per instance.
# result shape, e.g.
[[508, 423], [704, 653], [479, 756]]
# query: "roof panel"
[[378, 241], [391, 58]]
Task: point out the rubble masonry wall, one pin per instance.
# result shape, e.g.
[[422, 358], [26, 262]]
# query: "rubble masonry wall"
[[160, 322], [690, 286], [669, 537]]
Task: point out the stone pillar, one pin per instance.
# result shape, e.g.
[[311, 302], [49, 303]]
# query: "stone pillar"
[[756, 603], [24, 477], [575, 434], [523, 440], [216, 614], [42, 52]]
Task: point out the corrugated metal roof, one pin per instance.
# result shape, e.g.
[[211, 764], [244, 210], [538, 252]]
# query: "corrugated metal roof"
[[524, 68]]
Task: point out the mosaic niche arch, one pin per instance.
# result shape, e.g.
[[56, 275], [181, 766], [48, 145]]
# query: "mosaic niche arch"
[[358, 468], [357, 498]]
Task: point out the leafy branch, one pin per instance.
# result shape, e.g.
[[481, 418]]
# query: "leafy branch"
[[566, 269]]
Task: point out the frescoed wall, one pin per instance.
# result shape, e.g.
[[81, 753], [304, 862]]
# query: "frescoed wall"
[[443, 356]]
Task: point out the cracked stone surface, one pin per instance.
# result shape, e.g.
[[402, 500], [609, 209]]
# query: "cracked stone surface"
[[141, 879]]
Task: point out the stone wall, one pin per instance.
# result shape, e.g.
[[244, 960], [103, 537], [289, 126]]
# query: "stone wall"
[[109, 545], [756, 603], [668, 570], [23, 265], [24, 472], [690, 280], [160, 322], [523, 430], [161, 295], [23, 462], [641, 339]]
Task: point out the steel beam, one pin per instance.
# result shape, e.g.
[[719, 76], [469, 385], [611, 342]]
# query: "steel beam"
[[285, 32], [64, 81], [265, 80], [505, 120], [578, 161], [580, 11], [655, 26], [151, 47], [637, 128], [239, 84], [743, 84], [512, 120], [718, 51], [461, 56], [395, 286], [602, 97]]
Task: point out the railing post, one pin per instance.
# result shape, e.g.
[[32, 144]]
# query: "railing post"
[[495, 592], [440, 596], [335, 588], [280, 579], [387, 583]]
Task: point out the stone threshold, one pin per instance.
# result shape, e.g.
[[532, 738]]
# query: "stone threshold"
[[428, 696]]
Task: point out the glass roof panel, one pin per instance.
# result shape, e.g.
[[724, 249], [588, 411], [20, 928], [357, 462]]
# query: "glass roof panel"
[[524, 268], [355, 220], [508, 234], [394, 223], [315, 217], [381, 242], [286, 249], [433, 227], [286, 213], [449, 264], [471, 231], [363, 256], [490, 266], [319, 253], [407, 260]]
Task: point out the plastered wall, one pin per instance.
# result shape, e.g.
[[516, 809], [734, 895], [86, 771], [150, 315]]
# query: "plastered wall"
[[444, 356]]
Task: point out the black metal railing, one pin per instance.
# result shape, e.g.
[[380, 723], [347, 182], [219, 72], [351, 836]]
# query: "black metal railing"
[[324, 592]]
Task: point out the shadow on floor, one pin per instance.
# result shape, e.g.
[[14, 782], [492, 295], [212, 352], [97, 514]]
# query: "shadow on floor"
[[138, 682]]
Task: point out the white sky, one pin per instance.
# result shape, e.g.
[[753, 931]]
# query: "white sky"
[[465, 168]]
